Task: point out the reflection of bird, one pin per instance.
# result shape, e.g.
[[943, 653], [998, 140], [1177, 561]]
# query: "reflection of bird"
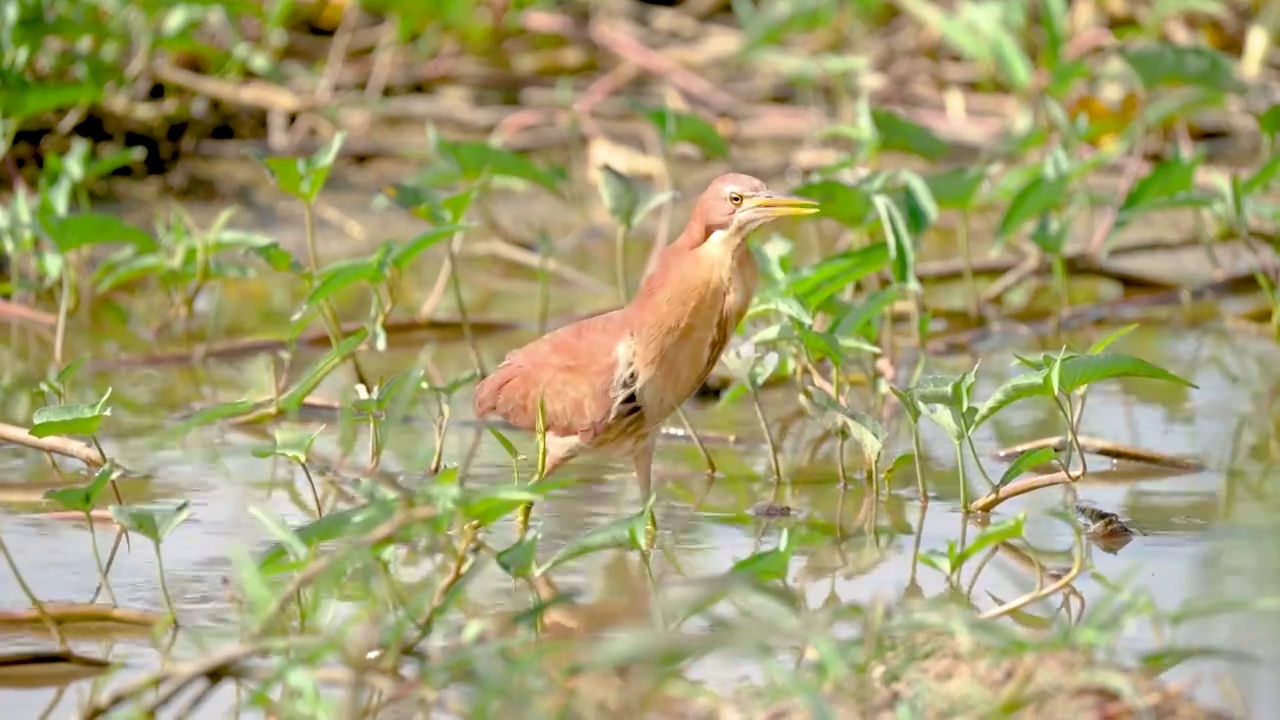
[[609, 381]]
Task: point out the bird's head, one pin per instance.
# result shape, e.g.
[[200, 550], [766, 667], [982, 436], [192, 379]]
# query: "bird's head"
[[735, 205]]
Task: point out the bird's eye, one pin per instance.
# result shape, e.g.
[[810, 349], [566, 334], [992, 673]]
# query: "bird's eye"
[[735, 198]]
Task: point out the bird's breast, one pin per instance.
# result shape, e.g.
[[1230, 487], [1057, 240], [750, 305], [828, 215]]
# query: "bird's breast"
[[681, 334]]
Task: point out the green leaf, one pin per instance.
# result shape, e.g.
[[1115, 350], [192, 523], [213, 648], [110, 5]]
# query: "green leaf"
[[1025, 462], [1157, 662], [909, 403], [767, 565], [858, 320], [625, 532], [1106, 341], [918, 203], [477, 159], [290, 443], [69, 370], [1165, 64], [210, 415], [781, 304], [848, 205], [620, 195], [836, 272], [345, 273], [24, 100], [955, 188], [293, 399], [1040, 195], [1055, 22], [993, 534], [867, 432], [763, 369], [304, 178], [507, 445], [677, 127], [902, 252], [491, 505], [78, 419], [351, 522], [902, 135], [1263, 178], [1173, 178], [864, 429], [152, 522], [264, 248], [1083, 370], [1269, 121], [88, 228], [112, 274], [85, 497], [627, 200], [1021, 387], [518, 559]]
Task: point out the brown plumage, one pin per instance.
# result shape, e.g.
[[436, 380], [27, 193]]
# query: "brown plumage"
[[610, 381]]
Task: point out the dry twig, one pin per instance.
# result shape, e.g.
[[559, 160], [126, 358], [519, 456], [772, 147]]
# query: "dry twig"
[[65, 447]]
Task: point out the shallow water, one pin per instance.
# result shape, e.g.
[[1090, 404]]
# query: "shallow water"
[[1202, 535]]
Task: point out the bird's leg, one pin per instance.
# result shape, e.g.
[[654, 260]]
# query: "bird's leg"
[[643, 460]]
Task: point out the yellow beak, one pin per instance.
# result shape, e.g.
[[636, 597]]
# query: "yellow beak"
[[781, 205]]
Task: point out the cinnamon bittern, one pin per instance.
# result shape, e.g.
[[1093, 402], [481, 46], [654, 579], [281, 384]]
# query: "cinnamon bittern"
[[608, 382]]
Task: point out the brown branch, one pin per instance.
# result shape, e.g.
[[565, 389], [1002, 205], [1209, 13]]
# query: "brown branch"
[[988, 502], [65, 447], [10, 310], [251, 93], [71, 613], [1105, 448]]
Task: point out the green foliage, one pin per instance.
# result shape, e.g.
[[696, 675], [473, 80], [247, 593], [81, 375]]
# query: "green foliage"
[[72, 419], [154, 523], [85, 497], [677, 127], [627, 200], [304, 178], [956, 556]]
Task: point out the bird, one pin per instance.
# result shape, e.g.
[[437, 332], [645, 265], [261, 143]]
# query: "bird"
[[608, 382]]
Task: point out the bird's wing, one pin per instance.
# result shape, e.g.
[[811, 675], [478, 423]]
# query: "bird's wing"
[[572, 369]]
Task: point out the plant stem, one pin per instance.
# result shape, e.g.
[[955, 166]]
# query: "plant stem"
[[111, 559], [697, 441], [314, 495], [923, 489], [768, 437], [97, 560], [841, 472], [64, 302], [977, 460], [328, 315], [1075, 439], [31, 597], [164, 586], [455, 285], [964, 477]]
